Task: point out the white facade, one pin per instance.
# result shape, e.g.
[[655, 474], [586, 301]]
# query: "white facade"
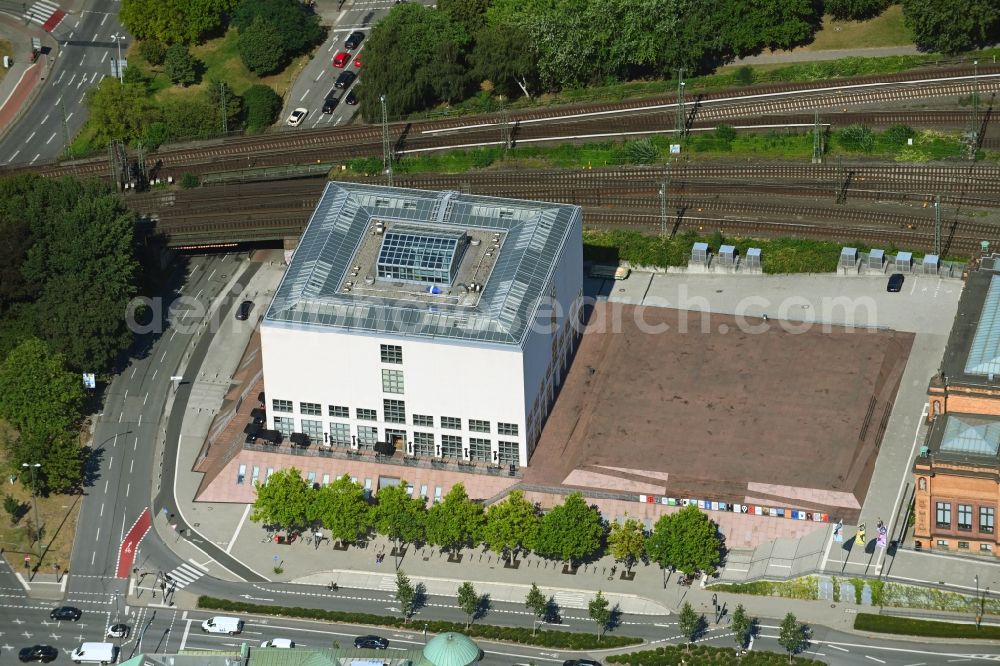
[[329, 380]]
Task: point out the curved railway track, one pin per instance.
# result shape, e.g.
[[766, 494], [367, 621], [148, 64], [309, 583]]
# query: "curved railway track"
[[646, 115]]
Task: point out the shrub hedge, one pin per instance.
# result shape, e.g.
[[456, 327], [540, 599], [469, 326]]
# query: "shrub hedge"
[[888, 624], [522, 635], [699, 655]]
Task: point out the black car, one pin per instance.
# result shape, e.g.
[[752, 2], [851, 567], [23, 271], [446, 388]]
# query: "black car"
[[581, 662], [42, 653], [353, 40], [243, 312], [895, 282], [330, 103], [350, 99], [345, 79], [66, 613], [371, 642]]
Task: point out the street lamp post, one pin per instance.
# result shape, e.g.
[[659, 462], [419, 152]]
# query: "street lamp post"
[[118, 40], [982, 603], [34, 504]]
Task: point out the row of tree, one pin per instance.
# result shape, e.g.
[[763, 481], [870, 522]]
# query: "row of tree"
[[572, 531], [421, 57], [69, 271]]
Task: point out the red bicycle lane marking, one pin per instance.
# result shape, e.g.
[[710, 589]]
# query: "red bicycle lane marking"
[[10, 106], [126, 552]]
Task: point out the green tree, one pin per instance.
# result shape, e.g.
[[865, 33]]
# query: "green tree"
[[952, 26], [261, 49], [341, 508], [469, 601], [741, 626], [537, 604], [180, 65], [153, 51], [791, 635], [456, 521], [627, 542], [406, 595], [283, 499], [134, 76], [854, 10], [686, 540], [500, 56], [570, 531], [118, 111], [262, 106], [190, 117], [13, 508], [219, 95], [689, 622], [511, 524], [297, 28], [400, 517], [599, 610], [470, 14], [173, 21]]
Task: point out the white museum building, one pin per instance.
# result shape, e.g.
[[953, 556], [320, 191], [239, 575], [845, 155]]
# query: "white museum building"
[[426, 324]]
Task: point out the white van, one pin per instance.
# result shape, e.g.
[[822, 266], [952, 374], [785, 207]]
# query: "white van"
[[220, 624], [95, 653]]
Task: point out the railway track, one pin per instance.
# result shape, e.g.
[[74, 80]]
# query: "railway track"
[[540, 125]]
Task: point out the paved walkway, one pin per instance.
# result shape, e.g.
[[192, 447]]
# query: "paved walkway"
[[21, 83], [804, 55]]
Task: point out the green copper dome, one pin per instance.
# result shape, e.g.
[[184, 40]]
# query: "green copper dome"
[[451, 649]]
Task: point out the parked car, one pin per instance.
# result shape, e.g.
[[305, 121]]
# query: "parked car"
[[371, 642], [345, 79], [581, 662], [350, 99], [65, 613], [331, 101], [297, 116], [353, 40], [42, 653], [340, 60], [895, 282], [243, 312]]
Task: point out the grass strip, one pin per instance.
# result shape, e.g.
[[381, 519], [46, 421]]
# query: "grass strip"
[[521, 635], [890, 624], [704, 655]]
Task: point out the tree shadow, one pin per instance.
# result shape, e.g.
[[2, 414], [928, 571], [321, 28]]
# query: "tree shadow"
[[614, 618], [484, 607], [91, 466], [553, 614], [419, 597]]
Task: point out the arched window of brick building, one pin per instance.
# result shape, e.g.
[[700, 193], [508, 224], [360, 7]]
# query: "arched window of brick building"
[[922, 483]]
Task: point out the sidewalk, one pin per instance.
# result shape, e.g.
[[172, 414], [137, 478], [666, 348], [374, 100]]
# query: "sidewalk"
[[804, 55], [21, 82]]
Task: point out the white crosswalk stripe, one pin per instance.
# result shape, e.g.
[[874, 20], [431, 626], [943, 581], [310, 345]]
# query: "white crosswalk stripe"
[[388, 583], [40, 11], [569, 600], [185, 574]]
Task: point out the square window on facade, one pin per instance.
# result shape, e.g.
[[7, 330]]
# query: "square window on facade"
[[480, 449], [340, 434], [326, 479], [508, 429], [451, 446], [943, 515], [423, 444], [986, 518], [314, 429], [284, 424], [985, 547], [338, 412], [367, 436], [367, 415], [475, 425], [963, 545], [942, 543], [311, 478], [241, 475], [510, 453], [310, 408], [394, 410], [397, 437], [281, 406], [392, 381], [270, 471], [423, 490], [255, 476], [423, 420], [451, 423], [965, 517], [391, 353]]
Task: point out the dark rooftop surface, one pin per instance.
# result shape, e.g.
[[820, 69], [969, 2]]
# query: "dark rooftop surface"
[[963, 331], [722, 415]]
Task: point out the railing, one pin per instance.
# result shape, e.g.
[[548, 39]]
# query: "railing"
[[469, 467], [266, 173]]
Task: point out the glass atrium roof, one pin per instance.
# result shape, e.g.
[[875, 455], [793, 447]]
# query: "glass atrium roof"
[[984, 354], [422, 255], [970, 435], [534, 237]]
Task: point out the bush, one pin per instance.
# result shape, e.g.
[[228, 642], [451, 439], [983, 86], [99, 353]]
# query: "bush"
[[262, 106], [522, 635], [153, 51], [725, 133], [671, 655], [189, 180], [180, 65], [888, 624], [799, 588], [641, 152], [854, 10], [857, 138], [897, 135], [744, 75]]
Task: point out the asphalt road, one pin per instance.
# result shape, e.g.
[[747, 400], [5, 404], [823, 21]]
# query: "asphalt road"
[[87, 48]]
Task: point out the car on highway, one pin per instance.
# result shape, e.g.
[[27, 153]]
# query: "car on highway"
[[351, 99], [895, 283], [65, 613], [353, 40], [119, 631], [42, 653], [243, 312], [297, 116], [581, 662], [345, 79], [278, 643], [371, 642], [340, 60], [331, 101]]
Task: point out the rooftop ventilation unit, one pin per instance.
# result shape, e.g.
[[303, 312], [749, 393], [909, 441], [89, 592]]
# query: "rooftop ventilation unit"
[[476, 242], [381, 202]]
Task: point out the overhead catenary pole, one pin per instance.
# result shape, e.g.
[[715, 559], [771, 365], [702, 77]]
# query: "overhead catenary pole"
[[817, 141], [505, 137], [937, 224], [975, 109], [222, 95], [34, 504], [680, 122], [386, 150], [664, 192]]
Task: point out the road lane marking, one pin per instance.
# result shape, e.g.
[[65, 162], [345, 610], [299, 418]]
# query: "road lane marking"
[[304, 95], [98, 533], [50, 139], [104, 19], [134, 368], [70, 116], [30, 137], [105, 486], [35, 158], [128, 488], [881, 661], [45, 118], [104, 57], [184, 638], [16, 153], [836, 647], [130, 465], [111, 461], [239, 527], [102, 509]]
